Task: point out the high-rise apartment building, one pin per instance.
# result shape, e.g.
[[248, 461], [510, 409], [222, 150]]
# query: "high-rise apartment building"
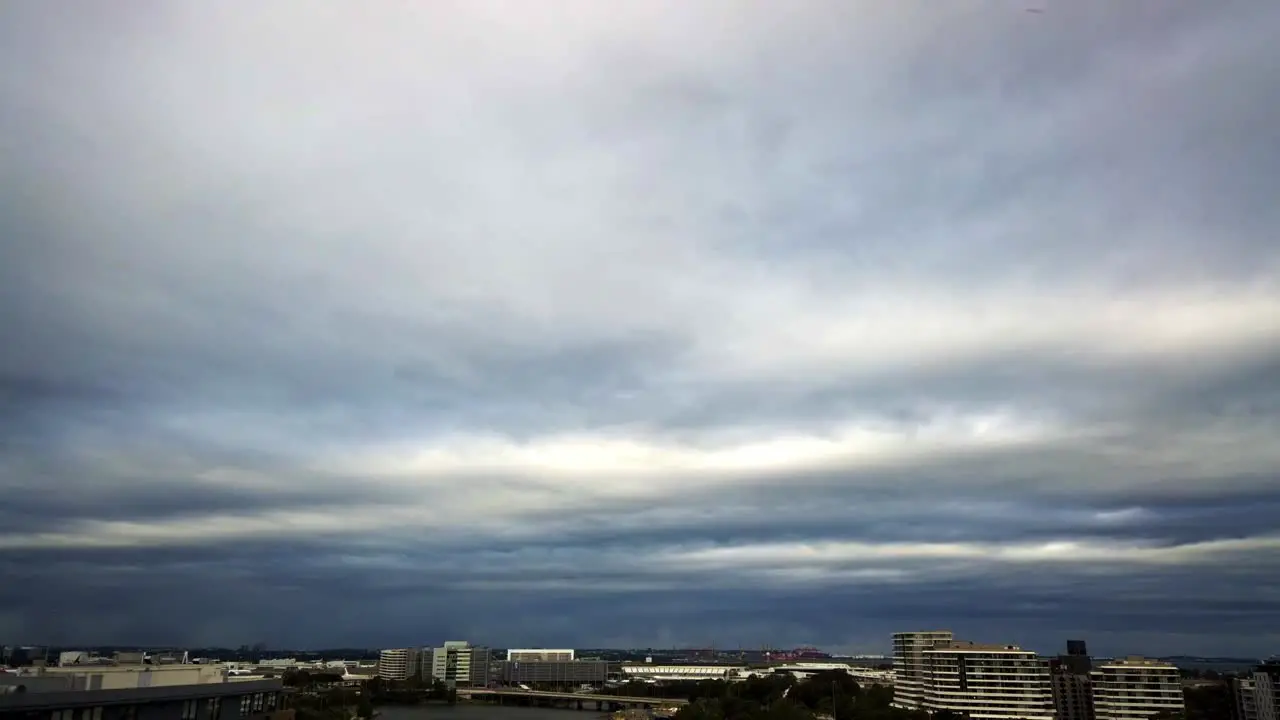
[[398, 664], [1071, 683], [1266, 689], [1258, 696], [1246, 703], [986, 682], [539, 655], [458, 664], [1136, 688], [908, 664]]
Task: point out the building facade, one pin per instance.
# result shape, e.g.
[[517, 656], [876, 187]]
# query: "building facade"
[[1071, 683], [554, 674], [253, 700], [1266, 690], [398, 664], [458, 664], [1136, 688], [667, 673], [539, 655], [908, 664], [986, 682], [1246, 705], [1258, 697], [1072, 693], [117, 677]]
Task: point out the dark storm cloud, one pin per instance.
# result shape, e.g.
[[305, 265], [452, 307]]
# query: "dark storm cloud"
[[1013, 609], [802, 328]]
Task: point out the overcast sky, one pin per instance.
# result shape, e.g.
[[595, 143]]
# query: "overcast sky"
[[641, 323]]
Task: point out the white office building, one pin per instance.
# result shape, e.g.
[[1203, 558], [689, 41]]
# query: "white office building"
[[398, 664], [1136, 688], [987, 682], [458, 664], [539, 655], [908, 664]]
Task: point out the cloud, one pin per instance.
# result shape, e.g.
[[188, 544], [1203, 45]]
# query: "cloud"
[[654, 324]]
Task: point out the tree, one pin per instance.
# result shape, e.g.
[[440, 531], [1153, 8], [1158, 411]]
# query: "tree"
[[829, 692], [701, 709], [786, 710], [296, 678], [1209, 702]]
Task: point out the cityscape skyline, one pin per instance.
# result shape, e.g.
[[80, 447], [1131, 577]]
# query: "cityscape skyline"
[[932, 674], [687, 653], [641, 323]]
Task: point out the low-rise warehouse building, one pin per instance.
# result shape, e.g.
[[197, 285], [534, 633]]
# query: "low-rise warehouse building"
[[682, 672], [33, 698]]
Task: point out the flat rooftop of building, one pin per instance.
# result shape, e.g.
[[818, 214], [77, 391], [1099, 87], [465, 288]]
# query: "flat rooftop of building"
[[977, 647], [111, 668], [1136, 661], [30, 701]]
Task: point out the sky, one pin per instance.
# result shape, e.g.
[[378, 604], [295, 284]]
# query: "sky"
[[645, 323]]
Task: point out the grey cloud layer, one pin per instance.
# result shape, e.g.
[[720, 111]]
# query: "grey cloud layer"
[[433, 319]]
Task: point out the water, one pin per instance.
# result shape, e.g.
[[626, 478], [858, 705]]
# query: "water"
[[463, 711], [1221, 667]]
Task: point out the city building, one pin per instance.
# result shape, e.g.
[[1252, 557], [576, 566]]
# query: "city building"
[[908, 664], [398, 664], [1071, 683], [805, 670], [1136, 688], [649, 671], [458, 664], [169, 657], [539, 655], [1258, 696], [554, 674], [986, 682], [1246, 703], [63, 696], [115, 677]]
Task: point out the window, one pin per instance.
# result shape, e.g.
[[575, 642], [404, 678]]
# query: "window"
[[244, 705], [215, 708], [257, 702], [190, 709], [271, 701], [130, 712]]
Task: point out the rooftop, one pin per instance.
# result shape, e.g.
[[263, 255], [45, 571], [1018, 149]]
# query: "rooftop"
[[1137, 661], [969, 646], [62, 699]]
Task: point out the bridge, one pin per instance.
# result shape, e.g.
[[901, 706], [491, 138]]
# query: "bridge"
[[569, 699]]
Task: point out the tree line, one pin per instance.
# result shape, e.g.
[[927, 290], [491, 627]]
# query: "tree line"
[[829, 694]]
